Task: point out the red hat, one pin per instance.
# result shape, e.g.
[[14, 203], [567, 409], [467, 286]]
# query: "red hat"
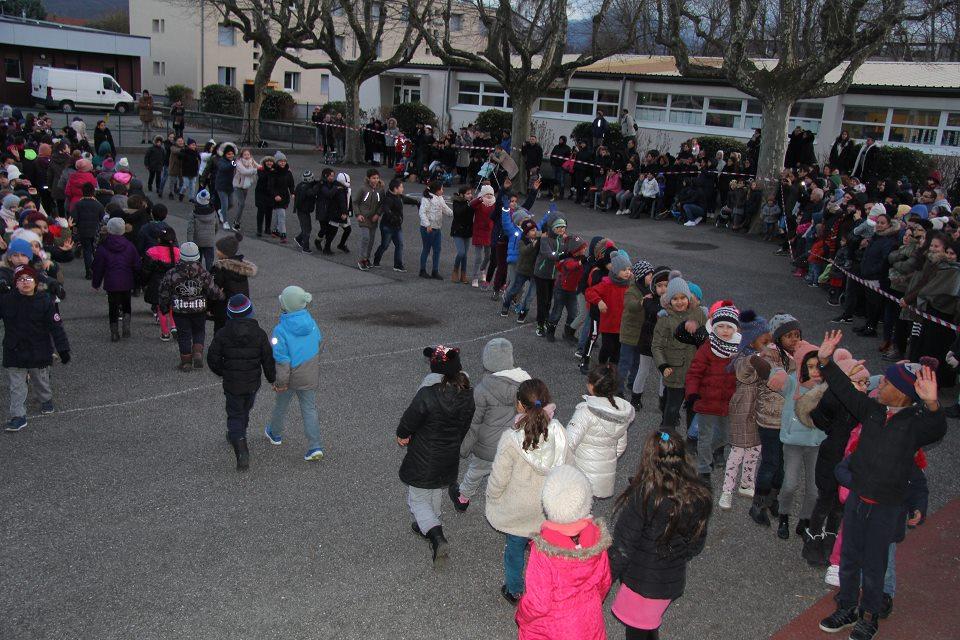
[[24, 271]]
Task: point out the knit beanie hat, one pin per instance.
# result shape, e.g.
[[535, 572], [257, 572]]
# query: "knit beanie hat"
[[82, 165], [229, 245], [123, 163], [567, 495], [641, 269], [723, 311], [24, 271], [677, 287], [696, 291], [279, 155], [920, 210], [307, 176], [202, 198], [619, 260], [903, 376], [752, 327], [21, 246], [559, 223], [851, 366], [498, 355], [294, 298], [783, 323], [116, 226], [239, 306], [189, 252], [662, 274], [443, 360], [902, 210], [11, 201], [344, 179], [13, 172]]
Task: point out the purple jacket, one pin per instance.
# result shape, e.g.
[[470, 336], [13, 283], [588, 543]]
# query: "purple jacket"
[[116, 264]]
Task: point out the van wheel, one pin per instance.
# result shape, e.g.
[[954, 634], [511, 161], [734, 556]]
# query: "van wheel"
[[66, 106], [122, 107]]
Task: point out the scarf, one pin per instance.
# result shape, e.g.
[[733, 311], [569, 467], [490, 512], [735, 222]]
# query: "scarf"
[[721, 348]]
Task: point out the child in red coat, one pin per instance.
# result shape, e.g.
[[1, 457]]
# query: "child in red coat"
[[568, 573], [569, 274], [711, 382], [608, 296]]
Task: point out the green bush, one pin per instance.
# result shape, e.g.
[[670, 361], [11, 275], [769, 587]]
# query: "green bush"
[[220, 99], [711, 144], [583, 132], [409, 114], [277, 105], [179, 92], [339, 106], [893, 162], [494, 121]]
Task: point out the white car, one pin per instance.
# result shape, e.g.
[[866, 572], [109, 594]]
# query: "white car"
[[68, 89]]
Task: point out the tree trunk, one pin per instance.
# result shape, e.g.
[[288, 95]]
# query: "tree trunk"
[[519, 132], [268, 61], [773, 146], [352, 98]]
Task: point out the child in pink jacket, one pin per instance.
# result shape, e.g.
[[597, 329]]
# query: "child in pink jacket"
[[568, 574]]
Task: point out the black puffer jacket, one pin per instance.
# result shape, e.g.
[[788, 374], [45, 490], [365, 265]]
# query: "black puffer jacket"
[[391, 211], [436, 422], [462, 225], [28, 323], [638, 562], [237, 354], [230, 275], [833, 419], [282, 185]]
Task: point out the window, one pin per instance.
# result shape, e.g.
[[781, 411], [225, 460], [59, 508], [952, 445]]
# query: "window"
[[227, 76], [325, 85], [584, 102], [724, 112], [226, 36], [914, 126], [651, 107], [456, 22], [339, 44], [160, 68], [686, 109], [158, 25], [291, 81], [865, 122], [951, 132], [406, 90], [378, 52], [486, 94], [553, 100], [13, 69], [110, 71], [727, 113]]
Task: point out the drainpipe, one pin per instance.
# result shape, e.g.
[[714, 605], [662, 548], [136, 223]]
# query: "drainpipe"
[[623, 95], [203, 21], [446, 99]]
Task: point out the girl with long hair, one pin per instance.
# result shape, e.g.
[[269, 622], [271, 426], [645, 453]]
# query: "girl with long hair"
[[662, 525]]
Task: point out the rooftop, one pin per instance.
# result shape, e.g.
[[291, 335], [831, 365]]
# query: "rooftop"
[[53, 35]]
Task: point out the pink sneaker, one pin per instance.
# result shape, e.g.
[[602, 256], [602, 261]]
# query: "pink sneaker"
[[799, 273]]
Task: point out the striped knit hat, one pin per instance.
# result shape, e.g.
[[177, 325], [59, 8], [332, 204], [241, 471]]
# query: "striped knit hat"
[[239, 306], [903, 376], [640, 269], [723, 311], [307, 176]]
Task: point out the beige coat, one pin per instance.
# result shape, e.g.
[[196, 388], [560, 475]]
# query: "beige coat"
[[516, 480]]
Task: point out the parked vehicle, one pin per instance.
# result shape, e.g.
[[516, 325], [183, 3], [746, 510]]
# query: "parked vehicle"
[[68, 89]]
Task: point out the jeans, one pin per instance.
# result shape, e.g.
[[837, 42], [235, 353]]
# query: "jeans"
[[713, 435], [19, 388], [118, 304], [481, 260], [367, 238], [176, 184], [673, 397], [628, 365], [225, 197], [514, 562], [515, 288], [868, 530], [460, 261], [153, 180], [164, 173], [692, 211], [425, 507], [431, 242], [87, 244], [477, 470], [890, 577], [189, 187], [240, 197], [770, 473], [388, 235], [191, 330], [264, 217], [814, 269], [308, 410], [280, 220], [208, 254], [795, 456], [239, 406], [563, 300], [306, 228]]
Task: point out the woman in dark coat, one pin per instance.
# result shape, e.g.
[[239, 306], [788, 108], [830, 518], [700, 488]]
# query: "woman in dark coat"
[[840, 152], [102, 134]]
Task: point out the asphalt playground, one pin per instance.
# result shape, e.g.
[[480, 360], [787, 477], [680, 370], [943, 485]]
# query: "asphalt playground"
[[122, 515]]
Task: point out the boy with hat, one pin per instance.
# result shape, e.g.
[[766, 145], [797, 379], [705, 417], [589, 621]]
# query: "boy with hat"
[[569, 274], [238, 352], [304, 202], [296, 350], [202, 227], [553, 245], [32, 329], [904, 417], [231, 273], [185, 290]]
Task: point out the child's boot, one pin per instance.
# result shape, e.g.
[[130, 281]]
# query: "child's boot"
[[636, 400], [758, 510], [772, 503], [455, 275], [242, 452], [114, 332], [186, 362], [440, 546], [197, 356], [550, 332], [783, 528], [126, 326], [812, 550]]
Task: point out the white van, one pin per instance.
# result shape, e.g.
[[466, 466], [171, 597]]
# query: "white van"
[[68, 89]]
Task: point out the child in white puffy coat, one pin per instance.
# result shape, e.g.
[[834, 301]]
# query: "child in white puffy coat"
[[597, 432]]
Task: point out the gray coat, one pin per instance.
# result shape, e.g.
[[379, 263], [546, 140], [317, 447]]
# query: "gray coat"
[[495, 398], [551, 246], [202, 227]]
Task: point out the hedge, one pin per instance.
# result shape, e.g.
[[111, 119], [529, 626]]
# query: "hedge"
[[583, 132], [893, 162], [277, 105], [339, 106], [409, 114], [494, 121], [220, 99], [179, 92], [711, 144]]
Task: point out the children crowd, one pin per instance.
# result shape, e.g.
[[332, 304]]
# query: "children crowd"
[[758, 401]]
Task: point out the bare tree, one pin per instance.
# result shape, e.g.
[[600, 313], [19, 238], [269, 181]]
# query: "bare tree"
[[522, 45], [807, 39]]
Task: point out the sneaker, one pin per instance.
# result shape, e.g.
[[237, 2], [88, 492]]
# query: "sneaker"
[[504, 313], [272, 438], [306, 250], [474, 283], [164, 337], [833, 302], [697, 221], [541, 330], [865, 629], [400, 269], [726, 500], [227, 227], [578, 354], [299, 242], [460, 503], [363, 266], [512, 598], [46, 408], [375, 265], [745, 491], [313, 454], [832, 577], [689, 223], [522, 316], [283, 240], [15, 424], [841, 319], [842, 618]]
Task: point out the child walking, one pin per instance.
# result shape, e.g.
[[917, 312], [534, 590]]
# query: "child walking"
[[565, 296], [495, 398], [231, 273], [597, 432], [202, 228], [651, 310], [608, 296], [32, 329], [238, 353], [662, 525], [568, 574], [432, 429], [159, 259], [184, 291], [536, 443], [115, 266], [296, 349]]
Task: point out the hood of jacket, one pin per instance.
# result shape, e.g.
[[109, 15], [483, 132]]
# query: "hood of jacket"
[[298, 323], [550, 453], [601, 407], [115, 244], [516, 375], [202, 210], [238, 265]]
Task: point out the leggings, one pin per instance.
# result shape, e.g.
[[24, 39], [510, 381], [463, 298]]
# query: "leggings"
[[118, 305], [166, 322], [640, 380], [332, 233], [610, 348], [264, 217], [481, 260], [497, 270], [191, 330], [794, 457], [748, 457]]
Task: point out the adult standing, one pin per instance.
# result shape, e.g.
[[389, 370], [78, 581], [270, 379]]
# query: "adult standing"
[[391, 133], [464, 139], [432, 210], [244, 175], [178, 118], [532, 154], [317, 119], [864, 165], [145, 110], [102, 134], [558, 156], [840, 152], [175, 168], [628, 128], [599, 128]]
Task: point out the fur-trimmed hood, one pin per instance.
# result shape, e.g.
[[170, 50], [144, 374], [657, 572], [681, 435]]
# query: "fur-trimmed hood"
[[239, 266], [601, 543], [808, 402], [222, 149]]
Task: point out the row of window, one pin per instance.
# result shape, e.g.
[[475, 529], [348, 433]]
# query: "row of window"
[[909, 126], [731, 113]]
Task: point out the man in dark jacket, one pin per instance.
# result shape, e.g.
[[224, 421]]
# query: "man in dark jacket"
[[32, 329], [154, 161], [599, 128], [905, 417], [237, 354], [532, 154], [391, 221]]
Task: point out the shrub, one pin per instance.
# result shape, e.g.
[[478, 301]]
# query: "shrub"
[[179, 92], [583, 132], [494, 121], [220, 99], [711, 144], [893, 162], [339, 106], [410, 114], [277, 105]]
